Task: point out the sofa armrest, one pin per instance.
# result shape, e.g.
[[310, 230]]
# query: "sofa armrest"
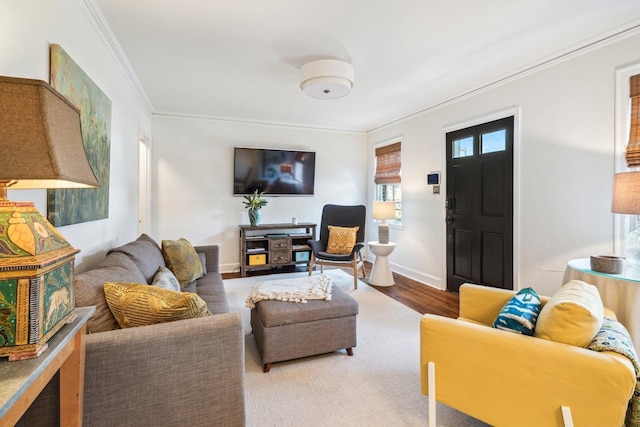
[[177, 373], [499, 376], [212, 255], [187, 372], [482, 303]]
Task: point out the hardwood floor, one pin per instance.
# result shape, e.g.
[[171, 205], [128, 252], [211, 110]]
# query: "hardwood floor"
[[415, 295]]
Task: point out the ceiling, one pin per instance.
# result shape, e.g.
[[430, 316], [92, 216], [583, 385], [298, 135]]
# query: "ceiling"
[[240, 60]]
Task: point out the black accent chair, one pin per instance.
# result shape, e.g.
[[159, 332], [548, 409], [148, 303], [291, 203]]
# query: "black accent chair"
[[342, 216]]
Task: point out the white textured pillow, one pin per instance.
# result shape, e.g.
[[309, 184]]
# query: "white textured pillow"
[[573, 315]]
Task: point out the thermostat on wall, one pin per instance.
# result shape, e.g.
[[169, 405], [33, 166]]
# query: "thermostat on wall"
[[433, 178]]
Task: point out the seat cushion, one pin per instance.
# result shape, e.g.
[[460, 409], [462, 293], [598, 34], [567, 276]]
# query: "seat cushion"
[[211, 289], [145, 253], [278, 313], [573, 315], [335, 257]]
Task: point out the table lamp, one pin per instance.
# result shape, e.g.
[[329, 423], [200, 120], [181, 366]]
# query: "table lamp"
[[384, 211], [40, 147], [626, 200]]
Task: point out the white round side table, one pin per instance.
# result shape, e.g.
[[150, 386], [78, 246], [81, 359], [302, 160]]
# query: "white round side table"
[[381, 272]]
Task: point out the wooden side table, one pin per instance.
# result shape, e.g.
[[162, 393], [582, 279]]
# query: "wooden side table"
[[22, 381]]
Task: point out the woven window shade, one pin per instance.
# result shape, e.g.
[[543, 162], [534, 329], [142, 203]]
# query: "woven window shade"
[[633, 149], [388, 164]]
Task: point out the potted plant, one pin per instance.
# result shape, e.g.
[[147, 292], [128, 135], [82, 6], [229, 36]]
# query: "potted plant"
[[254, 203]]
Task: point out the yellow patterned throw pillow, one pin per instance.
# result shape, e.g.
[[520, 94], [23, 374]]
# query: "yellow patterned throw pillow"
[[183, 260], [341, 239], [134, 304]]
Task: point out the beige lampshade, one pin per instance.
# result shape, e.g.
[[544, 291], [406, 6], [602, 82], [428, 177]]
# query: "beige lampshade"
[[626, 193], [40, 138], [384, 210]]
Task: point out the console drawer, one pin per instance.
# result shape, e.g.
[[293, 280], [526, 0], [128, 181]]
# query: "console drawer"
[[280, 257], [283, 244]]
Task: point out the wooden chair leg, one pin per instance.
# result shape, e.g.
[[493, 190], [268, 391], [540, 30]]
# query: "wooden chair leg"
[[355, 272], [312, 261]]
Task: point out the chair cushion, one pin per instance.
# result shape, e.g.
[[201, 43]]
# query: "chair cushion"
[[335, 257], [573, 315], [520, 313], [165, 279], [183, 260], [135, 304], [341, 239]]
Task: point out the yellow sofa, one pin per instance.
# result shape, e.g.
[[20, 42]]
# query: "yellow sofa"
[[508, 379]]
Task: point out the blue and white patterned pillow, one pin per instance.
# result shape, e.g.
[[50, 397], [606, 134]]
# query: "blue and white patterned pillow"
[[520, 313], [164, 278]]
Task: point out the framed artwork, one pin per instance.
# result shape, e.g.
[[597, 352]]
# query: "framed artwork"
[[71, 206]]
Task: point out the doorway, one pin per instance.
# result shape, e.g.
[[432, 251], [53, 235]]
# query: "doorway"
[[144, 155], [479, 205]]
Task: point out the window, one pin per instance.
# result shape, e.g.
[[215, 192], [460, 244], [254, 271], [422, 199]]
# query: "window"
[[463, 147], [633, 149], [493, 142], [387, 177]]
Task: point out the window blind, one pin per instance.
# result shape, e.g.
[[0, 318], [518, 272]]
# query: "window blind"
[[633, 149], [388, 164]]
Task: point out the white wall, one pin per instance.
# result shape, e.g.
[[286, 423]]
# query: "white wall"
[[26, 30], [564, 167], [192, 179]]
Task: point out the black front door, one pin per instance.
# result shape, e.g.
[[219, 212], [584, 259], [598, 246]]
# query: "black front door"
[[479, 205]]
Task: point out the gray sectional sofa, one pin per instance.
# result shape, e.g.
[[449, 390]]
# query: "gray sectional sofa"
[[187, 372]]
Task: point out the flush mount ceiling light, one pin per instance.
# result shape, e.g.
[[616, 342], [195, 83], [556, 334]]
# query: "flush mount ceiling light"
[[327, 78]]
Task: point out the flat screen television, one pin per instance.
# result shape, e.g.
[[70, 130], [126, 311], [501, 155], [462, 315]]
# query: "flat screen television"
[[274, 172]]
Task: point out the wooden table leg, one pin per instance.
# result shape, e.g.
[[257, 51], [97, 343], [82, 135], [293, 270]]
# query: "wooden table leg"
[[72, 383]]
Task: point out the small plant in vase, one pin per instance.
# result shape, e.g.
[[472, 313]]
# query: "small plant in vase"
[[254, 203]]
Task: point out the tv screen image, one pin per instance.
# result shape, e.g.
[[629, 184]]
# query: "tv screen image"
[[274, 172]]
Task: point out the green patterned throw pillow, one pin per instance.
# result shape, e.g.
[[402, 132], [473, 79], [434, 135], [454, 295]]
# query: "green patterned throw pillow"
[[183, 260], [520, 313], [134, 304]]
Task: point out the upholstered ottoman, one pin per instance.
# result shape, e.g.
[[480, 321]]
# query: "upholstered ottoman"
[[290, 330]]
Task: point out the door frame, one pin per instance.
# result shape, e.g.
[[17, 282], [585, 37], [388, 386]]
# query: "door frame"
[[144, 183], [501, 114]]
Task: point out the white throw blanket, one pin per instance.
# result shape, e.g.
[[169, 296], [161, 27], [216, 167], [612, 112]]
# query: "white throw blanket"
[[299, 289]]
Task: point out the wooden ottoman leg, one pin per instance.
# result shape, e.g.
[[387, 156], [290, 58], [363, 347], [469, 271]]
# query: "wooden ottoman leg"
[[266, 367], [350, 351]]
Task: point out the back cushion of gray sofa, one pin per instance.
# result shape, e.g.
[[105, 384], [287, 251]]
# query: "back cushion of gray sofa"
[[89, 288], [145, 253]]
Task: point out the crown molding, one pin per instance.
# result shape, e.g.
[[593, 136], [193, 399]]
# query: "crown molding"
[[104, 31]]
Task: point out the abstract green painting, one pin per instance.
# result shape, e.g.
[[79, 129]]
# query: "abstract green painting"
[[72, 206]]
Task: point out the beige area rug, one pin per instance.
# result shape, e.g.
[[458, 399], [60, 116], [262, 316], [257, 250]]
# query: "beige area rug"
[[378, 386]]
